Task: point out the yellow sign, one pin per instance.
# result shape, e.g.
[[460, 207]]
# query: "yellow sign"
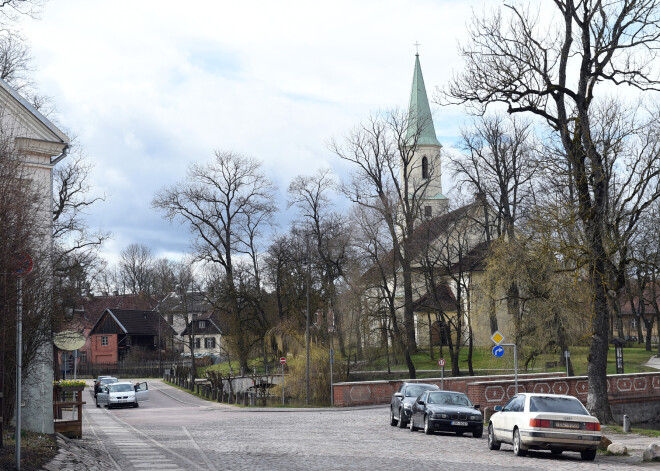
[[497, 338]]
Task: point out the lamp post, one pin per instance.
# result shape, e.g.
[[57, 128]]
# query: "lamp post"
[[306, 263]]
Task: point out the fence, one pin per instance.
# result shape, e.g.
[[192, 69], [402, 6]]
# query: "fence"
[[145, 369]]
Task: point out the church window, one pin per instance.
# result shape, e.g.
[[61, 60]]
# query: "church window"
[[425, 167], [428, 211]]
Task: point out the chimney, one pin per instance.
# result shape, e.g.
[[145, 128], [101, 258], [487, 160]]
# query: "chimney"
[[115, 293]]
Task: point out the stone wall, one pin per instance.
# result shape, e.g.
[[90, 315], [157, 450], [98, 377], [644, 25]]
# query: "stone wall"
[[636, 395]]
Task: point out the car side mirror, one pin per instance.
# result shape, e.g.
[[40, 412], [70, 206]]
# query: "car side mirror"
[[498, 408], [421, 403], [477, 406], [398, 395]]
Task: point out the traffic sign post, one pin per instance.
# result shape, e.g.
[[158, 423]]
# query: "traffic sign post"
[[23, 267], [332, 388], [441, 362], [498, 351], [282, 362]]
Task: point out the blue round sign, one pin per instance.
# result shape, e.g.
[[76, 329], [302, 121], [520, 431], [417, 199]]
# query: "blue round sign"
[[498, 351]]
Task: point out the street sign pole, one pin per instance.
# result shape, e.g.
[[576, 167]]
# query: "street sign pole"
[[332, 388], [24, 267], [441, 362], [282, 383], [19, 367]]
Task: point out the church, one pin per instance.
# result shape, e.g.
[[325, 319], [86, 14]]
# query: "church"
[[447, 247]]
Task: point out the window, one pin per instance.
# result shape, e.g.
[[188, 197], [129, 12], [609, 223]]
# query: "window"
[[209, 342], [425, 167], [197, 342], [428, 211], [104, 341], [633, 323], [202, 324], [83, 357]]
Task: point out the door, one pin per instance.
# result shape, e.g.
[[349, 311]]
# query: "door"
[[142, 392], [102, 397]]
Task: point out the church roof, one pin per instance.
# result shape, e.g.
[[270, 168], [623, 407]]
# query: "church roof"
[[420, 123]]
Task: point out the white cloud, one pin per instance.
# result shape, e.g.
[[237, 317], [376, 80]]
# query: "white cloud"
[[151, 86]]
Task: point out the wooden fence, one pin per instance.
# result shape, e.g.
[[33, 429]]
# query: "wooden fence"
[[146, 369]]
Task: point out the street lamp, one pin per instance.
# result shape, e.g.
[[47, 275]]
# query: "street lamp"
[[306, 265]]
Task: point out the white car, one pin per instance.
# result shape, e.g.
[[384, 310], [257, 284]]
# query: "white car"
[[122, 394], [545, 422]]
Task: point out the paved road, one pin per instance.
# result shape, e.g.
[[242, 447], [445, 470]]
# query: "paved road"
[[176, 431]]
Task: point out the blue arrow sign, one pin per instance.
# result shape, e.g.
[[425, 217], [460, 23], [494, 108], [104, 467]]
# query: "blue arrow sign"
[[498, 351]]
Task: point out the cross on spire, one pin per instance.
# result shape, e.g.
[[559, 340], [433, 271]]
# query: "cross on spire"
[[417, 47]]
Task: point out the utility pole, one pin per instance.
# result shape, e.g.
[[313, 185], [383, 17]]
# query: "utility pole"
[[307, 324]]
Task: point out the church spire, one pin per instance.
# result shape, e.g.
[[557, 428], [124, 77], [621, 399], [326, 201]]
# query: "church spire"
[[419, 111]]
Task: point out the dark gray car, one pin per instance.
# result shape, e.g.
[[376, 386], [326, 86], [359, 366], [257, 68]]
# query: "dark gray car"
[[403, 399]]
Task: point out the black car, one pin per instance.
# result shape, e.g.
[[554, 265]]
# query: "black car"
[[447, 411], [403, 399]]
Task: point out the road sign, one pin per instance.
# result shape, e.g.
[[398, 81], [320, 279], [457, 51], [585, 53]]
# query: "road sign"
[[24, 264], [497, 338], [498, 351], [283, 360], [441, 362]]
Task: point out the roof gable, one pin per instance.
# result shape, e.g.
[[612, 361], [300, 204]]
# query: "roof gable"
[[30, 122]]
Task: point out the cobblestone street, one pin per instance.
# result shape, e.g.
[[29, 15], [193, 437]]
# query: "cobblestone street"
[[177, 431]]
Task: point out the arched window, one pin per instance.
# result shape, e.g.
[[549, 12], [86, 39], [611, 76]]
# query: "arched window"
[[425, 167]]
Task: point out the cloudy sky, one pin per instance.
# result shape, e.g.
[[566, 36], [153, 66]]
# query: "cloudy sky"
[[147, 87]]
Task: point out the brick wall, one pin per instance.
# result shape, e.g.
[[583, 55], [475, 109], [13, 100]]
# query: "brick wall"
[[380, 392], [637, 393]]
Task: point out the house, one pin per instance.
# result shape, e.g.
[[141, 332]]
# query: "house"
[[88, 309], [206, 336], [32, 140], [179, 311], [118, 332]]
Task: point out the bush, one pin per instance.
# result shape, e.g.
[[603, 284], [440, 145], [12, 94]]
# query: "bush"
[[319, 375]]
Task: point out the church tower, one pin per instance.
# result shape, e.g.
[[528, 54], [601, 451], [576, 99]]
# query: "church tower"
[[425, 170]]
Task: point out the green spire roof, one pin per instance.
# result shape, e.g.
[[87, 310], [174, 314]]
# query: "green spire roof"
[[420, 111]]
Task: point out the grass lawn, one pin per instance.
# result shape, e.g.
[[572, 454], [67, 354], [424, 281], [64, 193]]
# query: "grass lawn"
[[484, 362]]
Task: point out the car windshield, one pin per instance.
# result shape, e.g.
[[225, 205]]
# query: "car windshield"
[[120, 388], [416, 390], [564, 405], [109, 380], [449, 399]]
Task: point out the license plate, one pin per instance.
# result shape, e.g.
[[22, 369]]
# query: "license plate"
[[567, 425], [459, 423]]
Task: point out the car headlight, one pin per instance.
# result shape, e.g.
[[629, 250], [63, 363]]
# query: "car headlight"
[[441, 416], [407, 405], [475, 417]]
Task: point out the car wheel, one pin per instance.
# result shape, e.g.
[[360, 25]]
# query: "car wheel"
[[427, 428], [136, 404], [493, 444], [477, 433], [517, 444], [556, 451], [588, 455], [393, 420], [412, 425], [402, 423]]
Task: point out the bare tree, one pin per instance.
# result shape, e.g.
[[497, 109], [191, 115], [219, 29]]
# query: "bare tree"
[[219, 201], [556, 71], [136, 268], [388, 180], [328, 233]]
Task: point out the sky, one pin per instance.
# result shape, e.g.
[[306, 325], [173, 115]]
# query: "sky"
[[148, 87]]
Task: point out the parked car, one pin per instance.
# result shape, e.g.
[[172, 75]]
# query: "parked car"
[[446, 411], [402, 400], [122, 394], [545, 422], [101, 380]]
